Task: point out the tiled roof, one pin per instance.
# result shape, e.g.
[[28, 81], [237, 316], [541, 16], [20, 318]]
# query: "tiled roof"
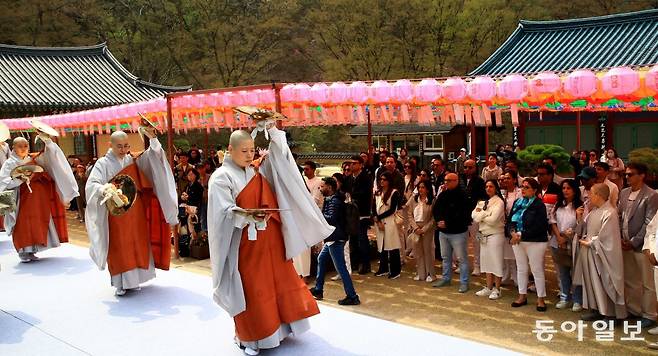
[[629, 39], [69, 78], [399, 129]]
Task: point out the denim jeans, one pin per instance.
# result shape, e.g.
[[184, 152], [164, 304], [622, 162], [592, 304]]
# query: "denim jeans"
[[565, 284], [337, 253], [456, 243]]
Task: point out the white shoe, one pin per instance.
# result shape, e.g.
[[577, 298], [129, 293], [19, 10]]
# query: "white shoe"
[[576, 308], [33, 257], [25, 260], [476, 271], [120, 292], [336, 277], [495, 294], [484, 292], [250, 351], [429, 279], [417, 278], [562, 304], [653, 331]]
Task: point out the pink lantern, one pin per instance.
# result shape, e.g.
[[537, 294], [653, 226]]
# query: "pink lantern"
[[339, 93], [266, 96], [545, 83], [620, 81], [428, 91], [454, 89], [481, 89], [651, 79], [320, 93], [301, 93], [381, 92], [581, 83], [226, 99], [513, 88], [403, 91], [359, 92], [214, 100], [251, 97], [287, 92]]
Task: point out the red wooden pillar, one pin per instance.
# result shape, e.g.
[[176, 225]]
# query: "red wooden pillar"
[[578, 130]]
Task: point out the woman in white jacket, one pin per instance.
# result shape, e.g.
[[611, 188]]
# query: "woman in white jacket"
[[490, 214]]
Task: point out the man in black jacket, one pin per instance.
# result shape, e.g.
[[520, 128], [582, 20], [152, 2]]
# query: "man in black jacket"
[[362, 197], [439, 172], [452, 213], [473, 186], [334, 245]]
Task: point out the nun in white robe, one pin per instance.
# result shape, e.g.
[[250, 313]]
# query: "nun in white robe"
[[155, 166], [53, 161], [302, 226]]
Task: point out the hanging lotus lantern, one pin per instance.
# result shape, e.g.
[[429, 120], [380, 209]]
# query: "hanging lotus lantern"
[[621, 83]]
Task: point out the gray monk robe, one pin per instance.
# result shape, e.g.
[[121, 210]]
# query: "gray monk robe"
[[600, 267]]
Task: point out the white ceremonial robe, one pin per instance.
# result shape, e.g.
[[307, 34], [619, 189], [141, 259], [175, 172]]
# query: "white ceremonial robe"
[[53, 161], [302, 222], [155, 166], [302, 262]]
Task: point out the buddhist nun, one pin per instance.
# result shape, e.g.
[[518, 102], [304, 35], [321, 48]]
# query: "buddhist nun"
[[599, 263], [251, 249], [44, 184], [5, 151], [131, 204]]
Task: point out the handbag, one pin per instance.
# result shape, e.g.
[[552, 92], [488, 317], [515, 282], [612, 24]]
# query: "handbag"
[[199, 247], [398, 218]]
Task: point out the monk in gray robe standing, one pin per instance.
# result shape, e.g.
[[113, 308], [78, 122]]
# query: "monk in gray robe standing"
[[599, 263]]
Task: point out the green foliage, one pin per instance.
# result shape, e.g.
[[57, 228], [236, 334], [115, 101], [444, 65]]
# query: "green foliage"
[[533, 155], [648, 156], [182, 143]]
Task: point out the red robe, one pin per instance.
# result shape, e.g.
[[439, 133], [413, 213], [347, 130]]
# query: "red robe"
[[141, 229], [33, 216], [273, 291]]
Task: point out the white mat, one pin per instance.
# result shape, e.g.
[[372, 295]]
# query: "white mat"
[[62, 305]]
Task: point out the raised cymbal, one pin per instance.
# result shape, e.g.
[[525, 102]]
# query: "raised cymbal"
[[41, 127]]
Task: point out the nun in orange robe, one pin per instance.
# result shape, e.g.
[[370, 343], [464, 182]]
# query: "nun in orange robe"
[[254, 279]]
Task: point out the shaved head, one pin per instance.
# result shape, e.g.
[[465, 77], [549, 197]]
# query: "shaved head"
[[20, 140], [118, 136], [239, 136], [119, 144], [21, 146], [241, 148], [602, 190]]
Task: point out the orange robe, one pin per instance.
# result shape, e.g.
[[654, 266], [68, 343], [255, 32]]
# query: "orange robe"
[[273, 291], [34, 216], [142, 229]]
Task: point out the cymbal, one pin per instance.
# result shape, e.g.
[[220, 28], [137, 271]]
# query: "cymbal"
[[26, 169], [46, 129], [145, 121], [258, 114], [4, 132]]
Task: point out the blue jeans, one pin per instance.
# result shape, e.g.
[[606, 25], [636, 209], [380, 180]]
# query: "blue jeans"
[[337, 253], [456, 243], [565, 284]]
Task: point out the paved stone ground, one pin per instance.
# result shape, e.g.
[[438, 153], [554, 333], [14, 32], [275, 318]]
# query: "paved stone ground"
[[447, 311]]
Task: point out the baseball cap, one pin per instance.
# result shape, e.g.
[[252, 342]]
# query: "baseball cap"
[[587, 173]]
